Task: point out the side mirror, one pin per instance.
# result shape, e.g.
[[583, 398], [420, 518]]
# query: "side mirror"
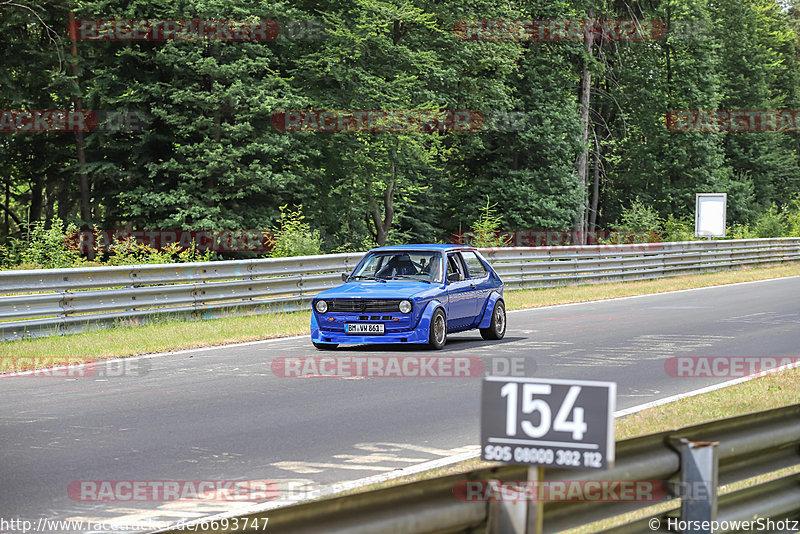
[[453, 277], [344, 277]]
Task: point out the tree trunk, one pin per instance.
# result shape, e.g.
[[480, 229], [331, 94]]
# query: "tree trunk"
[[6, 229], [65, 207], [211, 181], [6, 205], [37, 191], [595, 186], [86, 215], [49, 199], [586, 86], [383, 224]]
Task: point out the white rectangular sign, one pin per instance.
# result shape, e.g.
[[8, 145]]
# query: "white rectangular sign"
[[710, 214]]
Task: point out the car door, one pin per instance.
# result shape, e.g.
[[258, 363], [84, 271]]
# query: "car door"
[[479, 278], [461, 302]]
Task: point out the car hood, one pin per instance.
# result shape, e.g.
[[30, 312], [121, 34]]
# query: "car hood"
[[392, 289]]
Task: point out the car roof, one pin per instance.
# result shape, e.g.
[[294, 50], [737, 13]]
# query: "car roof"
[[438, 247]]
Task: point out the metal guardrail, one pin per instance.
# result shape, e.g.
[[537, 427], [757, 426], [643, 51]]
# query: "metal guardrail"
[[553, 266], [48, 301], [749, 446], [73, 300]]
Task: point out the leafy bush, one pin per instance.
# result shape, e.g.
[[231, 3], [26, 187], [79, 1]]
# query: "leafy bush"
[[639, 217], [793, 217], [771, 223], [192, 254], [58, 247], [739, 231], [11, 253], [128, 251], [294, 236], [639, 223], [679, 229], [52, 248], [486, 228]]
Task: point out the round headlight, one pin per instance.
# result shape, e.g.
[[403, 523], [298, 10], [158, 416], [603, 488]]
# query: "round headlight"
[[321, 306], [405, 306]]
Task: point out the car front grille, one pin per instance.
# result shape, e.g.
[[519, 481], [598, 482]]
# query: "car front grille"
[[364, 305]]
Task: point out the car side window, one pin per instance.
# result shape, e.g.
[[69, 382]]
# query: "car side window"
[[454, 265], [474, 265]]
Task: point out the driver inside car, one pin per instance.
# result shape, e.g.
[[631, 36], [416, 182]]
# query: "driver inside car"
[[398, 265]]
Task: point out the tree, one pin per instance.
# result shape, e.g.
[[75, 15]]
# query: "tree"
[[758, 71]]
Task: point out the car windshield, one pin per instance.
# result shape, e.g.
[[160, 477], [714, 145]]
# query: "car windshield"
[[401, 265]]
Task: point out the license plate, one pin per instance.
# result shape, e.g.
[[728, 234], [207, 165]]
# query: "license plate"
[[363, 328]]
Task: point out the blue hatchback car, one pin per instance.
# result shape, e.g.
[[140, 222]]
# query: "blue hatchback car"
[[411, 294]]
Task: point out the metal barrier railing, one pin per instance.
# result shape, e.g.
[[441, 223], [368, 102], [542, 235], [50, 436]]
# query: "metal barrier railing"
[[748, 446], [48, 301]]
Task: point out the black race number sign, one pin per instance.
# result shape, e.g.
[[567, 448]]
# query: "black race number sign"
[[555, 423]]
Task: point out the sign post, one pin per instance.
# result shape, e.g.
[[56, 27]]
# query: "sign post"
[[545, 422]]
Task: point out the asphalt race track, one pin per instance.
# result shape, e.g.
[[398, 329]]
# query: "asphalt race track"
[[222, 413]]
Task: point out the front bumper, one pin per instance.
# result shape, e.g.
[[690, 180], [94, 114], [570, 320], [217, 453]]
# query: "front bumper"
[[418, 334], [410, 336]]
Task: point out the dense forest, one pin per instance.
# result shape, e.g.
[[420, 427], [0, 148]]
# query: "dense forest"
[[394, 121]]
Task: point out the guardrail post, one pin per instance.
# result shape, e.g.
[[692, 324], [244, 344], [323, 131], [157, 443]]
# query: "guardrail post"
[[521, 516], [535, 507], [507, 517], [699, 472]]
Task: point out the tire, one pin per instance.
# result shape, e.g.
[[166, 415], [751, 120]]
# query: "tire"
[[438, 330], [325, 346], [497, 328]]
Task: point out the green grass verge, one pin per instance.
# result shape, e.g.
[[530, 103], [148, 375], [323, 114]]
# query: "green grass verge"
[[178, 335], [765, 393]]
